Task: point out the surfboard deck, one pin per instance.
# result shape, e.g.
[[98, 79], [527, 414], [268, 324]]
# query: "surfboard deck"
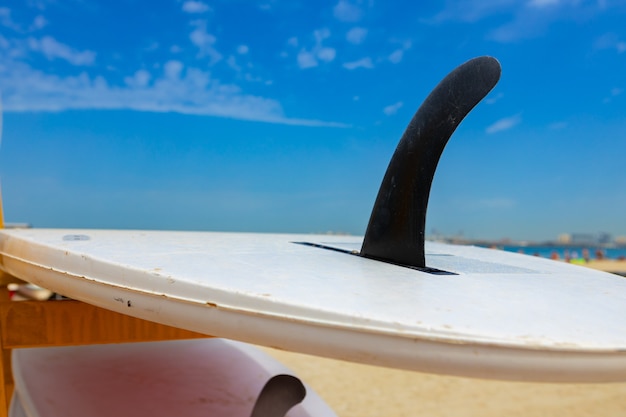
[[200, 377], [477, 312]]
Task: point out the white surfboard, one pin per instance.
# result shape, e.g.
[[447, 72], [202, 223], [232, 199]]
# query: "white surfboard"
[[495, 315], [387, 298], [191, 378]]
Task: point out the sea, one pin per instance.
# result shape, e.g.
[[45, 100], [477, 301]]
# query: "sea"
[[572, 252]]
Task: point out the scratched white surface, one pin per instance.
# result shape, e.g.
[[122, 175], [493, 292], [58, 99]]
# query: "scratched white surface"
[[503, 315]]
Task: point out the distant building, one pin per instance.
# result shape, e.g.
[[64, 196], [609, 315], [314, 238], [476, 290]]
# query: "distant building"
[[565, 239], [585, 239], [604, 238]]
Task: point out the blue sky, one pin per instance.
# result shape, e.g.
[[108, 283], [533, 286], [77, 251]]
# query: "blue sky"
[[281, 116]]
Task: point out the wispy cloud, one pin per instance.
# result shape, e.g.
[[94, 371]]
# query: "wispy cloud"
[[610, 41], [472, 10], [356, 35], [523, 19], [7, 21], [306, 59], [205, 42], [494, 99], [326, 54], [309, 58], [524, 26], [543, 3], [38, 23], [177, 89], [347, 11], [613, 93], [195, 7], [557, 125], [393, 108], [361, 63], [396, 56], [53, 49], [504, 124], [140, 79]]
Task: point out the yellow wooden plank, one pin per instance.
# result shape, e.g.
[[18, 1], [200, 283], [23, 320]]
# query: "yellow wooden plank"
[[69, 322]]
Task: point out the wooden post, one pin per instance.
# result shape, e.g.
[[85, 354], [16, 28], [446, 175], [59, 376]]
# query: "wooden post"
[[6, 377]]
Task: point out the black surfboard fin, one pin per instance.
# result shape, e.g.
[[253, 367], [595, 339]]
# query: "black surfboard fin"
[[278, 396], [396, 229]]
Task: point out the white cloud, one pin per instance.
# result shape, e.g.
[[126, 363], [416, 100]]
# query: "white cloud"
[[537, 17], [293, 41], [6, 21], [4, 43], [393, 108], [178, 89], [610, 41], [140, 79], [347, 11], [53, 49], [38, 23], [613, 93], [232, 63], [543, 3], [396, 56], [492, 99], [361, 63], [243, 49], [518, 29], [310, 58], [356, 35], [191, 6], [204, 41], [557, 125], [321, 34], [473, 10], [326, 54], [173, 69], [504, 124], [522, 19], [152, 47], [306, 60]]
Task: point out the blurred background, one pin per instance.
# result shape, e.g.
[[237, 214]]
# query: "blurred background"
[[281, 116]]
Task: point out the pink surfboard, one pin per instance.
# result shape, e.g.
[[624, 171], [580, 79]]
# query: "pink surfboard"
[[202, 377]]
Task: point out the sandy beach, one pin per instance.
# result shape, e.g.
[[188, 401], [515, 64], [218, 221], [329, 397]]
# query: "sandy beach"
[[355, 390], [608, 265]]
